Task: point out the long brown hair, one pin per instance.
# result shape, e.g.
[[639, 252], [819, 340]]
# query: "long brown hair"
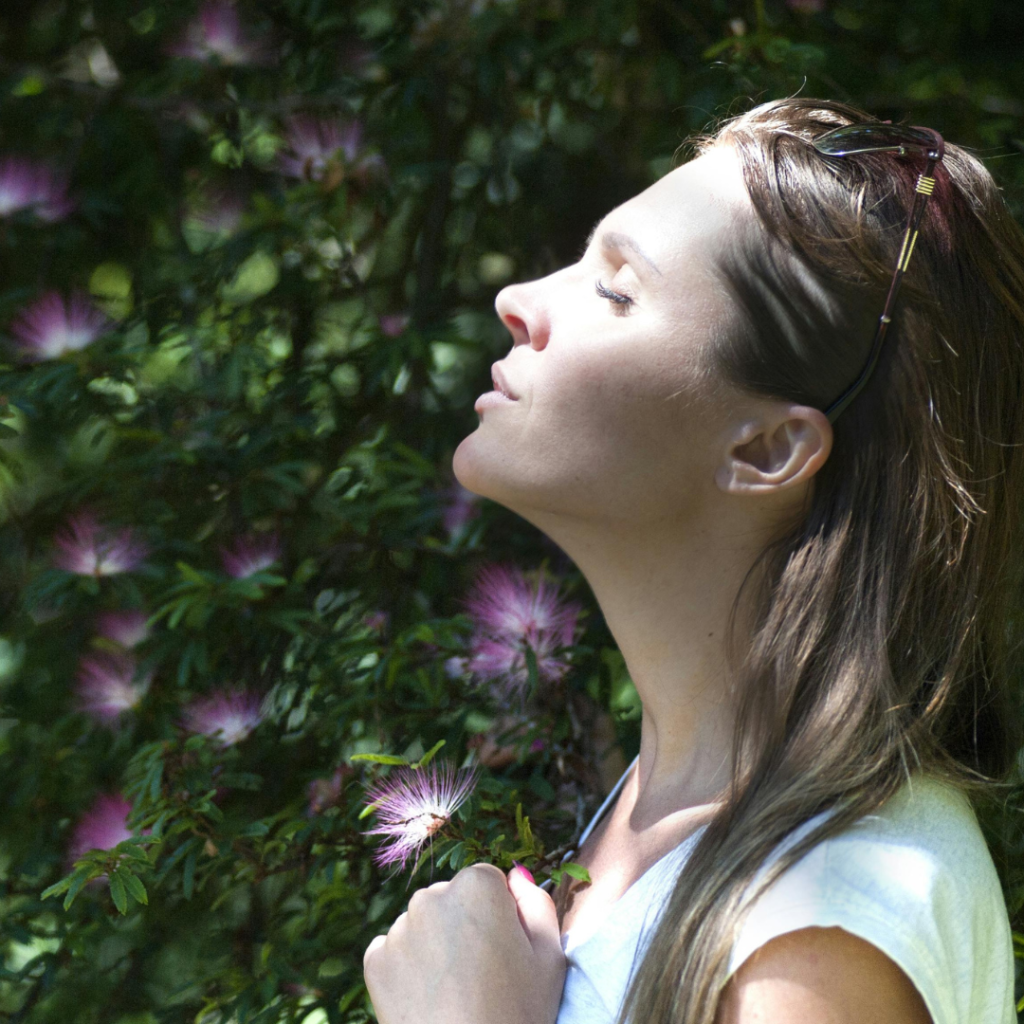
[[881, 641]]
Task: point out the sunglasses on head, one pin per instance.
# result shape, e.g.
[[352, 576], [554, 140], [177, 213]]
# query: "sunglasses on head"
[[884, 137]]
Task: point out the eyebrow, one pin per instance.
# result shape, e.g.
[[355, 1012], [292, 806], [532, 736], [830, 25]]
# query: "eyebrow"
[[617, 240]]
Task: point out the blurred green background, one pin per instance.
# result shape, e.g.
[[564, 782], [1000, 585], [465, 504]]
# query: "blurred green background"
[[266, 239]]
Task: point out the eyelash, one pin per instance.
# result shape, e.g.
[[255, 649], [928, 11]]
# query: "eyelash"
[[622, 302]]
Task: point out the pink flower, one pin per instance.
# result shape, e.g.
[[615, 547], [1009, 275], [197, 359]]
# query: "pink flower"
[[460, 506], [34, 187], [806, 6], [247, 556], [216, 33], [108, 685], [314, 143], [455, 667], [90, 549], [52, 326], [376, 621], [324, 793], [413, 805], [229, 715], [102, 827], [127, 628], [393, 324], [216, 211], [512, 614]]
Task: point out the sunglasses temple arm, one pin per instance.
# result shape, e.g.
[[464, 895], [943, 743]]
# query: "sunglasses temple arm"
[[909, 239]]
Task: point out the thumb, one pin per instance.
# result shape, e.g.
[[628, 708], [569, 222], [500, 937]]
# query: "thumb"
[[537, 912]]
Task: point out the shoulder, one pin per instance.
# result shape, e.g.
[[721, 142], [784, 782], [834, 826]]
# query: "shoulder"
[[821, 974], [916, 881]]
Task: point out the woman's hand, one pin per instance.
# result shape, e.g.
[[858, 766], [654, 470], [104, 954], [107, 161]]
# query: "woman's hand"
[[479, 949]]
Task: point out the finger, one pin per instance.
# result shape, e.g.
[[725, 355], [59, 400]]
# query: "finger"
[[537, 912], [374, 945]]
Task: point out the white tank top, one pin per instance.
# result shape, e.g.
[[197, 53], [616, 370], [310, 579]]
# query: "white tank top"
[[914, 879]]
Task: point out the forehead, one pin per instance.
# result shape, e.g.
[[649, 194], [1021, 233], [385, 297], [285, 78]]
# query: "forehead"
[[688, 208]]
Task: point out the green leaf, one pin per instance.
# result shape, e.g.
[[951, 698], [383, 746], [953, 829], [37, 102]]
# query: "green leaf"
[[429, 755], [56, 889], [78, 882], [117, 891], [135, 887], [188, 875], [577, 871], [381, 759]]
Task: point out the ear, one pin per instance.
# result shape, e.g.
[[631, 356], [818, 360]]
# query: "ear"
[[782, 448]]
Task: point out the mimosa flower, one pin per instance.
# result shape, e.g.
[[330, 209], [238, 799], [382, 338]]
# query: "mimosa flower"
[[393, 324], [413, 805], [102, 827], [90, 549], [512, 614], [460, 506], [324, 793], [216, 33], [229, 715], [313, 143], [34, 187], [128, 628], [52, 326], [247, 556], [109, 685]]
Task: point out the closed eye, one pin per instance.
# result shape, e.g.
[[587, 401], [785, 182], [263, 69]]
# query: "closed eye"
[[623, 303]]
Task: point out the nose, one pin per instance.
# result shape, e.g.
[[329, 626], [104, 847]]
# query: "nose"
[[522, 313]]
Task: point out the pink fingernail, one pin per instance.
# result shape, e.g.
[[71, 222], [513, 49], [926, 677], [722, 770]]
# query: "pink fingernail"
[[525, 871]]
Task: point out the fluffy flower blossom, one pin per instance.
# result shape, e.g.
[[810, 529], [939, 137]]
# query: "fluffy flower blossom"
[[512, 614], [88, 548], [413, 805], [217, 33], [229, 715], [102, 827], [314, 143], [324, 793], [460, 506], [393, 324], [127, 628], [108, 685], [247, 556], [26, 185], [52, 326]]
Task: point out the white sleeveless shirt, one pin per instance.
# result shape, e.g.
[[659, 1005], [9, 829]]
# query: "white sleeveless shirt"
[[915, 879]]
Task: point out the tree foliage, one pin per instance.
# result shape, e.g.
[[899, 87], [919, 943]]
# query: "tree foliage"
[[248, 256]]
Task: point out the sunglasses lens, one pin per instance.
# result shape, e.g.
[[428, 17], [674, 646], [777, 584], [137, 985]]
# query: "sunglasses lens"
[[876, 138]]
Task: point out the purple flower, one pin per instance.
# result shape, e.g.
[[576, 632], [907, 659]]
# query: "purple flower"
[[315, 143], [90, 549], [127, 628], [247, 556], [213, 216], [34, 187], [102, 827], [393, 324], [216, 33], [460, 506], [806, 6], [324, 793], [108, 685], [52, 326], [512, 614], [455, 667], [229, 715], [412, 805]]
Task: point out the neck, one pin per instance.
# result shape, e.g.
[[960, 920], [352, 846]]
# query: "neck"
[[666, 593]]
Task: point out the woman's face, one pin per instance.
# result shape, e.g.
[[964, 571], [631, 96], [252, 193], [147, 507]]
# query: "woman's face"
[[618, 412]]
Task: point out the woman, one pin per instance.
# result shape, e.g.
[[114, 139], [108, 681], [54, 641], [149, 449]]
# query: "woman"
[[800, 530]]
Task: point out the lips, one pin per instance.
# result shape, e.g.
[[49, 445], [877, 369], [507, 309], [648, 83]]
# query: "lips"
[[500, 384]]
